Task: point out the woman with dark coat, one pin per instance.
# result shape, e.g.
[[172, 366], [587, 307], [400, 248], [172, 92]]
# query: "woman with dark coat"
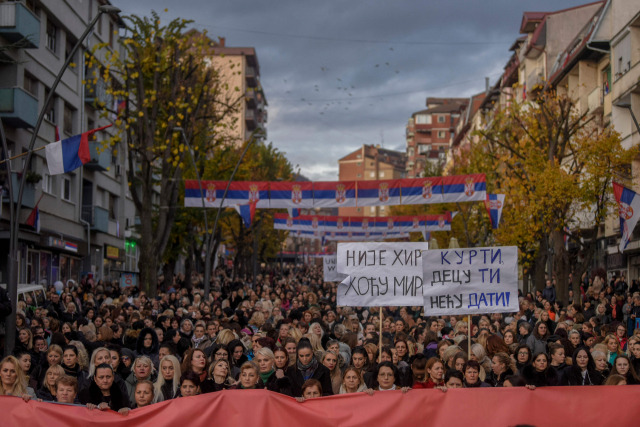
[[307, 367], [148, 345], [539, 373], [583, 370], [236, 353], [271, 378], [103, 389]]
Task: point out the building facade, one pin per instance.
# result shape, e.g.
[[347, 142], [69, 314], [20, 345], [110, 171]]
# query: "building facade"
[[370, 163], [430, 133], [86, 216]]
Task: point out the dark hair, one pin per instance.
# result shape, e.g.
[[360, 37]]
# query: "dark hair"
[[516, 380], [312, 383], [471, 364], [453, 373], [190, 376], [546, 356], [302, 344], [104, 366], [522, 347], [381, 365], [70, 347]]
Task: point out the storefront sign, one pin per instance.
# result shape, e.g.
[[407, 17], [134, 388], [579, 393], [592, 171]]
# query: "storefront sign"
[[112, 252], [63, 244], [128, 279]]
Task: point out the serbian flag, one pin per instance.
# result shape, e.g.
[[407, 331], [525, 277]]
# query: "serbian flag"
[[464, 188], [629, 211], [285, 222], [440, 222], [494, 204], [240, 193], [420, 191], [291, 195], [34, 219], [293, 212], [336, 223], [409, 223], [69, 154], [331, 194], [378, 193], [247, 212]]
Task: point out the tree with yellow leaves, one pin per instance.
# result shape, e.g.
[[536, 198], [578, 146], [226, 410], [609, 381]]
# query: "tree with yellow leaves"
[[162, 80], [555, 165]]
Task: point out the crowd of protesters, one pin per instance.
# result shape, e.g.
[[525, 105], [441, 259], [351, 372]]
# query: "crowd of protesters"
[[109, 348]]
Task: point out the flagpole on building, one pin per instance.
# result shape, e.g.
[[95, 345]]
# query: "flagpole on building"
[[12, 283]]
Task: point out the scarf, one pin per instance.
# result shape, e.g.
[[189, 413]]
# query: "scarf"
[[265, 376], [197, 341], [307, 371]]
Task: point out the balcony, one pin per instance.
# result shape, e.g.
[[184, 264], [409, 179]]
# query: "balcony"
[[28, 195], [100, 156], [251, 99], [97, 93], [594, 100], [250, 119], [251, 76], [19, 25], [18, 108], [97, 217], [536, 77]]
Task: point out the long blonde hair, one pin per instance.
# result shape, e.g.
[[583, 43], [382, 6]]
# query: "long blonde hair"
[[160, 381], [20, 386]]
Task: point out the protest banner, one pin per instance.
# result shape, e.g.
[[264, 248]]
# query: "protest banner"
[[329, 266], [470, 281], [380, 274], [546, 406]]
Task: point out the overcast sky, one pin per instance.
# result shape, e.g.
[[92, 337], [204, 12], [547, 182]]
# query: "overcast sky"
[[341, 73]]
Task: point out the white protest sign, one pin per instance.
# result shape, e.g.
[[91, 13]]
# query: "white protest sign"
[[329, 265], [470, 281], [381, 274]]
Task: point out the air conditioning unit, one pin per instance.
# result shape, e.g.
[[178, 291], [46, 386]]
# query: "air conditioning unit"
[[118, 170]]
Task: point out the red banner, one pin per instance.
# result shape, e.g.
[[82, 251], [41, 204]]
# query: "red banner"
[[550, 406]]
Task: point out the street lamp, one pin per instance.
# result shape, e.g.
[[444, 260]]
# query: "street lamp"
[[14, 209]]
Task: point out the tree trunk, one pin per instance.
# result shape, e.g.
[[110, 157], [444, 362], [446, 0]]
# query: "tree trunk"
[[560, 267]]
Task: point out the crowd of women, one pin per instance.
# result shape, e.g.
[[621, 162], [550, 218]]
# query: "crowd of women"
[[97, 345]]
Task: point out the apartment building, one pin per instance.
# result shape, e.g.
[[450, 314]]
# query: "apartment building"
[[429, 133], [87, 215], [370, 163], [239, 68]]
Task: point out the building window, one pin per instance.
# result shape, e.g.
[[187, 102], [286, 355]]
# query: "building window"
[[441, 119], [373, 209], [65, 192], [111, 34], [424, 148], [382, 174], [410, 152], [69, 113], [52, 36], [423, 119], [359, 175], [51, 114], [68, 47], [30, 84], [113, 206], [372, 174], [442, 134], [606, 80], [47, 183]]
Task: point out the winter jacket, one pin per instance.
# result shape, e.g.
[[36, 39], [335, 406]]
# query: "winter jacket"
[[150, 352], [536, 345], [116, 400], [279, 385], [540, 379], [498, 380], [321, 374]]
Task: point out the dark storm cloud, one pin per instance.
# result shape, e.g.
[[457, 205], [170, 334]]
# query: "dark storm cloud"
[[339, 74]]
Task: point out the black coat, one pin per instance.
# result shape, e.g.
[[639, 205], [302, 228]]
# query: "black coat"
[[321, 374], [573, 376], [540, 379], [280, 385], [498, 380], [92, 394]]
